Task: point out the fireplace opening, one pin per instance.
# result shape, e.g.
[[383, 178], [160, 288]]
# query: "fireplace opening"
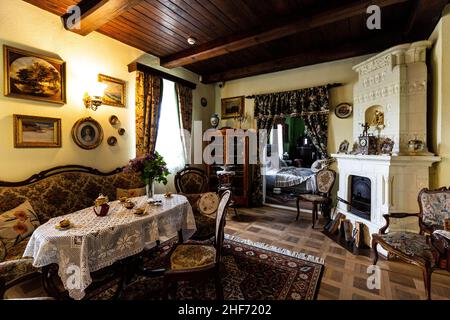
[[361, 196]]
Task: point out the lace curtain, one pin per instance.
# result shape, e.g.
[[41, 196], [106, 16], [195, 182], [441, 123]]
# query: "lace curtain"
[[148, 106]]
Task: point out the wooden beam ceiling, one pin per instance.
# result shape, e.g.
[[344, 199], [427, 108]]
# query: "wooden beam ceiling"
[[96, 13], [310, 57], [298, 24], [419, 20]]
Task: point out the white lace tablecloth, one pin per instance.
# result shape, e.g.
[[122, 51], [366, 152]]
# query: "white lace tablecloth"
[[97, 242]]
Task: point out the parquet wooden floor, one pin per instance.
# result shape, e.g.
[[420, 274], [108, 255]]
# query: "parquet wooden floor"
[[345, 274]]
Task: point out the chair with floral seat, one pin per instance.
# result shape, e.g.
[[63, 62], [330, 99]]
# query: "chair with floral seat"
[[195, 261], [416, 248], [322, 196]]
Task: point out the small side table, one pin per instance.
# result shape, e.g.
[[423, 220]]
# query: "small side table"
[[441, 241], [226, 183]]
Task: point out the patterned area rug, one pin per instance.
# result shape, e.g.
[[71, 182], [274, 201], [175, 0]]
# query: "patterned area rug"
[[252, 271]]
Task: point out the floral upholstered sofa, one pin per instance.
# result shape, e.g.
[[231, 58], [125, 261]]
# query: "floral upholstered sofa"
[[52, 193]]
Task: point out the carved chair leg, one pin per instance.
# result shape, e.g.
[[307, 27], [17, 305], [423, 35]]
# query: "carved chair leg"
[[427, 280], [298, 209], [374, 251], [2, 288]]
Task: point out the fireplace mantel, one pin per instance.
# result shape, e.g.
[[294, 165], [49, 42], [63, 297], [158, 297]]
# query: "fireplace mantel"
[[395, 183]]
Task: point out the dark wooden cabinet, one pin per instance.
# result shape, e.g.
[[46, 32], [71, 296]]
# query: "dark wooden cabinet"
[[238, 162]]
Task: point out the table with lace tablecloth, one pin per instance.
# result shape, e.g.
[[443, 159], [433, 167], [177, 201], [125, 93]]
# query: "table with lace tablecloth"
[[97, 242]]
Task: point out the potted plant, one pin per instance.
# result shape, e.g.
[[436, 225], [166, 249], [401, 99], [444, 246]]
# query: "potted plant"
[[152, 168]]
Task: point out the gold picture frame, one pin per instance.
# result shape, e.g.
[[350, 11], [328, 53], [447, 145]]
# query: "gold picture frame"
[[116, 91], [87, 133], [233, 107], [36, 132], [33, 76]]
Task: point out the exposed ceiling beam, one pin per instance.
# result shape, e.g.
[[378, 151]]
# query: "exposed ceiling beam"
[[310, 57], [96, 13], [252, 38]]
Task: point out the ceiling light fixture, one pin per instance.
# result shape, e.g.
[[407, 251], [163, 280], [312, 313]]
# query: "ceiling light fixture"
[[191, 40]]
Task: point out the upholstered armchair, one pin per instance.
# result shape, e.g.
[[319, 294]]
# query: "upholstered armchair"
[[416, 248]]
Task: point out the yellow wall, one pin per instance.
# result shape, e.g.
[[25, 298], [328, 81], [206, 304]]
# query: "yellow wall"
[[28, 27], [440, 106], [321, 74]]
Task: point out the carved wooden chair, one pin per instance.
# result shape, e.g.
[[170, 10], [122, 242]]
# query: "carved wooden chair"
[[191, 180], [412, 247], [325, 180], [196, 261]]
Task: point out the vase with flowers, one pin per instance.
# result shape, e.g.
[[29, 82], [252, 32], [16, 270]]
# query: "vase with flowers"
[[152, 168]]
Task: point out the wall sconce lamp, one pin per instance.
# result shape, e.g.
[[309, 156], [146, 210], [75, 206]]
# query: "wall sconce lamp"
[[94, 100]]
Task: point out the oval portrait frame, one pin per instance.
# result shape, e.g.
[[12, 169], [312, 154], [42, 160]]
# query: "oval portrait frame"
[[343, 110], [77, 133]]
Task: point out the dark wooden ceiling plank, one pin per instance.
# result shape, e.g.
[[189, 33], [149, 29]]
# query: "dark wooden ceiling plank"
[[135, 42], [174, 20], [152, 28], [232, 13], [192, 16], [121, 24], [423, 17], [308, 58], [214, 10], [251, 38], [96, 13], [203, 16]]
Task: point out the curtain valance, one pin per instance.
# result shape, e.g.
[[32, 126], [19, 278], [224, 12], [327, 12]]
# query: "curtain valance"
[[293, 103]]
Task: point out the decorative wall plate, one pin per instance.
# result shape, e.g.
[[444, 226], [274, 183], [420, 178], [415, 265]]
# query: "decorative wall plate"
[[203, 102], [121, 131], [112, 141], [343, 110], [114, 120], [87, 133]]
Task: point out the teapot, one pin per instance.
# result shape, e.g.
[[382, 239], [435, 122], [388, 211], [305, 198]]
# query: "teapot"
[[101, 204]]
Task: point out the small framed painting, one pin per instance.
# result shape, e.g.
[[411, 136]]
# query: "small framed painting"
[[87, 133], [36, 132], [34, 76], [115, 92], [233, 107], [343, 110]]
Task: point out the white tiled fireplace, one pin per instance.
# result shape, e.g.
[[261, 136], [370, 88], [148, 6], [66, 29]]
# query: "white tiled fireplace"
[[394, 82]]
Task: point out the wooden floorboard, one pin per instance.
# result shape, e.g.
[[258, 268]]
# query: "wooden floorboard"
[[345, 275]]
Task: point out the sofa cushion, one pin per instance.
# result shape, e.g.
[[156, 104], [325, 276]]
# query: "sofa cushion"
[[66, 192], [17, 224], [16, 252], [130, 193]]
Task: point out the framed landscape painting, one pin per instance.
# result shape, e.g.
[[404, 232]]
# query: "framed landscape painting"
[[233, 107], [34, 76], [36, 132], [115, 92]]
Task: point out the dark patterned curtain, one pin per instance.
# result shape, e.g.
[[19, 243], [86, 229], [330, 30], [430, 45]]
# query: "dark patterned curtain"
[[184, 98], [148, 105], [310, 104]]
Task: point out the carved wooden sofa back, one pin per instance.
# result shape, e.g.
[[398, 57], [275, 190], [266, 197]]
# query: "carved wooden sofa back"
[[64, 189]]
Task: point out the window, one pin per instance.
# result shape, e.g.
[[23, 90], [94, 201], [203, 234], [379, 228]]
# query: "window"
[[168, 142]]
